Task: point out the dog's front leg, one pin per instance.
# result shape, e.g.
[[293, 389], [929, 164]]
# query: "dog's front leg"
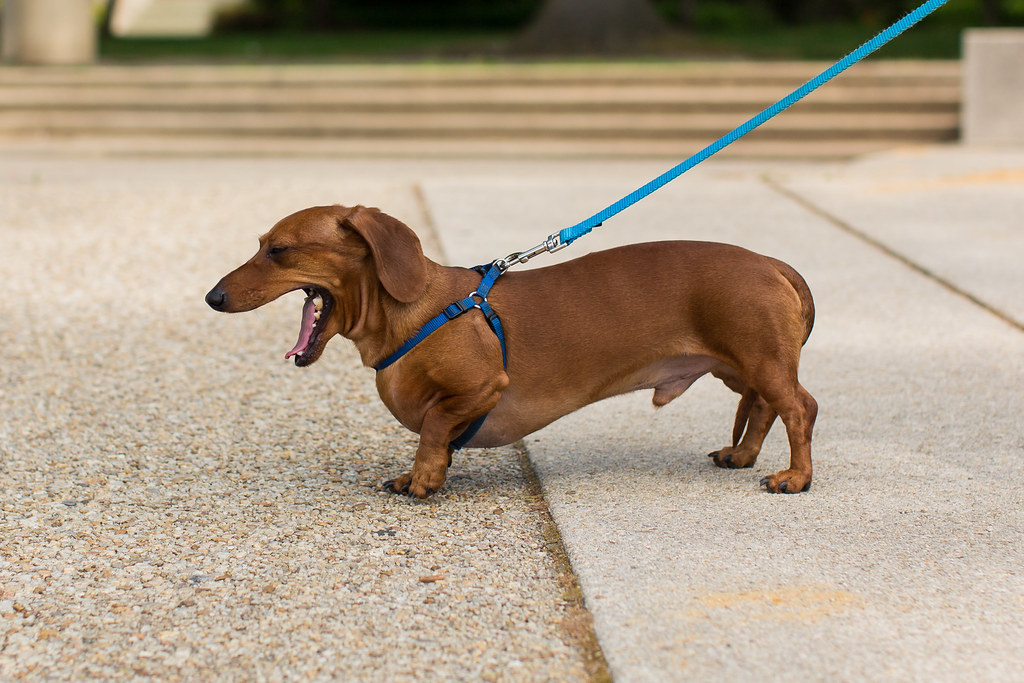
[[441, 423], [433, 455]]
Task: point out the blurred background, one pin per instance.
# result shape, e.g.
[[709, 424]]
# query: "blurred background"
[[474, 77], [404, 29], [779, 29]]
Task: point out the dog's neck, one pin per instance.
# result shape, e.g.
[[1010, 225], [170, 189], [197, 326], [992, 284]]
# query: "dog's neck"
[[377, 323]]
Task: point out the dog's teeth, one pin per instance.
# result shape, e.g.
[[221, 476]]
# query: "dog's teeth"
[[318, 302]]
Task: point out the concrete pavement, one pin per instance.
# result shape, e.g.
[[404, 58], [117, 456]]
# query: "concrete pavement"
[[904, 560], [175, 505]]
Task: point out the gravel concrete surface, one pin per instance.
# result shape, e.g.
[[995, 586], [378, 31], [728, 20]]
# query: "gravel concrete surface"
[[177, 502]]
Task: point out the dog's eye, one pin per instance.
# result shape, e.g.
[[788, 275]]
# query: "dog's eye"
[[276, 251]]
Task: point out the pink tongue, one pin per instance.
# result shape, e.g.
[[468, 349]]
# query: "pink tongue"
[[305, 329]]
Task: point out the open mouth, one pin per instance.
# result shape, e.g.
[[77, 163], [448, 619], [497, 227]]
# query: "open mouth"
[[315, 312]]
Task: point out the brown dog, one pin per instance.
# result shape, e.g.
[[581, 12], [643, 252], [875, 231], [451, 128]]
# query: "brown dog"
[[647, 316]]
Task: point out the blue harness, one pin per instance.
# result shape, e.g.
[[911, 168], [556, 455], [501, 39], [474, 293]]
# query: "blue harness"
[[478, 299]]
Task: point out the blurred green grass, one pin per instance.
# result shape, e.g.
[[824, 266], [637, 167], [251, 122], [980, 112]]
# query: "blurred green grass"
[[815, 42], [832, 41]]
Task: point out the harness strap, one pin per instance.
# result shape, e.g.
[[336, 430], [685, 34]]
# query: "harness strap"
[[452, 311], [462, 439], [478, 299]]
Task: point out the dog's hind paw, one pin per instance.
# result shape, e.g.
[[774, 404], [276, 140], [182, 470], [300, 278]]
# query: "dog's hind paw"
[[787, 481], [733, 458]]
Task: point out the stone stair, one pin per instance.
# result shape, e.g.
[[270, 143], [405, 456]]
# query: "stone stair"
[[596, 109]]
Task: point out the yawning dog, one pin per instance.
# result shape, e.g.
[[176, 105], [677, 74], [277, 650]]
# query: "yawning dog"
[[646, 316]]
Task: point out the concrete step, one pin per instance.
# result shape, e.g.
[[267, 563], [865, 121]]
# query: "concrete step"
[[888, 72], [912, 126], [471, 108], [672, 151], [477, 97]]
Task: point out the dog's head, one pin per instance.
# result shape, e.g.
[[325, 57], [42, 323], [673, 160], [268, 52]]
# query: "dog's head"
[[339, 257]]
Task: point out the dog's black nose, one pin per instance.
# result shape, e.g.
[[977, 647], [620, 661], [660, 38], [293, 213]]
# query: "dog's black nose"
[[216, 298]]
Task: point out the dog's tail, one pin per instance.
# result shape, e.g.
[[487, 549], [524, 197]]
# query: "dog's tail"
[[802, 290], [742, 413]]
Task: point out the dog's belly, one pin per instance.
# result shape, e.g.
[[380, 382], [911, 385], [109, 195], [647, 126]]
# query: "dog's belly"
[[524, 410]]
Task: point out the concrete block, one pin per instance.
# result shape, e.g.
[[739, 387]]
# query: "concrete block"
[[167, 18], [10, 29], [49, 31], [993, 86]]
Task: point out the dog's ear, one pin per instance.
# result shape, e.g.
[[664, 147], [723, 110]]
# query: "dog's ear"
[[401, 266]]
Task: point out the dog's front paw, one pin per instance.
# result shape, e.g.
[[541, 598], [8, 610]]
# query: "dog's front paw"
[[787, 481], [398, 485], [408, 485]]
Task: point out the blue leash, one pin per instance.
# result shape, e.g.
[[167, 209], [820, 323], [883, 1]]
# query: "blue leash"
[[567, 236]]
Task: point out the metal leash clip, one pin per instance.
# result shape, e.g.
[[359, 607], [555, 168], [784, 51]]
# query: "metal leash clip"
[[552, 244]]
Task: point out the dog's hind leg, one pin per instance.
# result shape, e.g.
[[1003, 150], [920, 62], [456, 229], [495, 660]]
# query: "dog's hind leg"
[[754, 418], [798, 411]]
